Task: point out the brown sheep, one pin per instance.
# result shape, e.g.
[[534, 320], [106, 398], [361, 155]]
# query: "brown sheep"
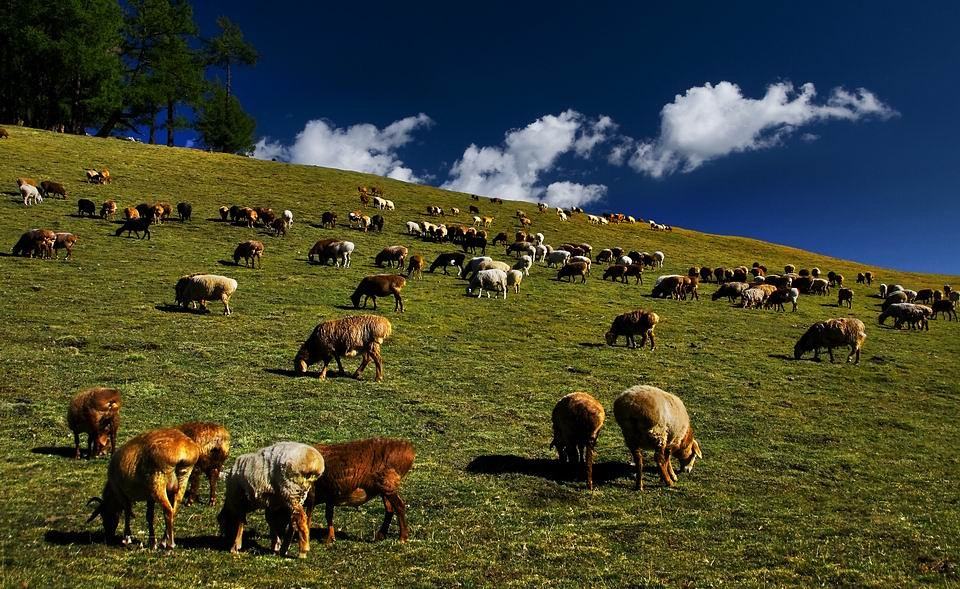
[[845, 295], [214, 442], [616, 272], [108, 209], [329, 219], [391, 254], [631, 324], [131, 213], [320, 248], [265, 215], [64, 241], [251, 251], [415, 267], [4, 134], [247, 216], [830, 334], [573, 269], [668, 286], [37, 242], [95, 412], [279, 226], [359, 471], [636, 270], [153, 467], [379, 285], [577, 419], [345, 337], [162, 212], [49, 187]]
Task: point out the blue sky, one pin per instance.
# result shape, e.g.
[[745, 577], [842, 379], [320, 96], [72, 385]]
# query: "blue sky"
[[828, 126]]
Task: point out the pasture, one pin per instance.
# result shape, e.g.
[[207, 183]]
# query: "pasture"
[[813, 473]]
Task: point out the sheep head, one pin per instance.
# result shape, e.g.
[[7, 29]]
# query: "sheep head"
[[808, 341], [611, 338], [108, 508], [688, 452]]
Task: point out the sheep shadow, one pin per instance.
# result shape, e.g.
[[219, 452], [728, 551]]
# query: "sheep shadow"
[[228, 263], [783, 357], [593, 344], [63, 538], [68, 538], [61, 451], [168, 308], [547, 468], [333, 373]]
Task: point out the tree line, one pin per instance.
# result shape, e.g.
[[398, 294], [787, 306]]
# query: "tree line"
[[119, 66]]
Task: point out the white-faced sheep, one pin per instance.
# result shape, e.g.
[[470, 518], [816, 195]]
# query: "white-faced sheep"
[[288, 217], [359, 471], [492, 279], [251, 251], [524, 263], [379, 285], [413, 228], [577, 419], [632, 324], [277, 479], [557, 258], [155, 467], [833, 333], [514, 278], [345, 337], [472, 265], [653, 419], [95, 412], [200, 288], [213, 440]]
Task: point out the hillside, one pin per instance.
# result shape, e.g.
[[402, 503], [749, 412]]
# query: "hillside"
[[813, 473]]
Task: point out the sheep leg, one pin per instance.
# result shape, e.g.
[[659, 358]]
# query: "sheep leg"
[[363, 365], [226, 303], [323, 371], [638, 461], [193, 492], [298, 521], [377, 361], [387, 518], [238, 539], [214, 477], [398, 305], [830, 352], [663, 463], [150, 529], [630, 341], [653, 342], [589, 457], [331, 536], [401, 511], [76, 445], [127, 515]]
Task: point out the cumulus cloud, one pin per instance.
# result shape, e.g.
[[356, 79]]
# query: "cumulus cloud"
[[709, 122], [362, 147], [571, 194], [513, 170]]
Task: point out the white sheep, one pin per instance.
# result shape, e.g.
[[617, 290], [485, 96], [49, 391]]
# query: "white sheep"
[[492, 279], [624, 260], [200, 288], [524, 263], [341, 252], [753, 297], [514, 278], [388, 205], [557, 258], [30, 194], [538, 239], [473, 264], [543, 250], [287, 217], [658, 259], [413, 228]]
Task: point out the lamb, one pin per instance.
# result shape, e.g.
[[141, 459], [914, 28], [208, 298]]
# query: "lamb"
[[631, 324], [909, 313], [949, 308], [359, 471], [845, 295], [278, 479], [205, 287], [49, 187], [624, 260], [379, 285], [658, 259], [415, 267], [830, 334], [251, 251], [184, 211], [653, 419], [95, 412], [130, 213], [153, 467], [577, 419], [780, 296], [345, 337], [451, 259], [574, 269], [65, 241], [164, 210], [329, 219], [391, 254], [35, 241], [524, 263], [287, 216], [108, 209], [86, 206], [542, 251], [135, 226], [30, 194], [491, 279], [213, 440], [514, 278]]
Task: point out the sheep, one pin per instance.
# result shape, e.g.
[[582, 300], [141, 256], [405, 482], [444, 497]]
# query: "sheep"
[[248, 217], [572, 270], [153, 467], [415, 267], [48, 187], [359, 471], [391, 254], [4, 134], [30, 194], [803, 283], [108, 209], [616, 272], [224, 212], [624, 260], [492, 279], [345, 337], [514, 278], [473, 265], [265, 215], [882, 291], [637, 271], [65, 241], [911, 295], [135, 226], [845, 295], [251, 251], [892, 299], [86, 206], [279, 226], [287, 216], [949, 308], [667, 286], [868, 276], [557, 258], [131, 213], [184, 211], [376, 222], [450, 259], [639, 322], [924, 295], [213, 440], [653, 419], [95, 412], [577, 420], [605, 256], [379, 285], [753, 297], [815, 272], [861, 278], [205, 287], [35, 241], [521, 248], [780, 296], [658, 259], [413, 228], [907, 313], [819, 286], [278, 479], [830, 334], [163, 212], [329, 219], [524, 263]]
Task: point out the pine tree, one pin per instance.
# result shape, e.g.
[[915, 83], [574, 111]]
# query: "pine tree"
[[223, 125]]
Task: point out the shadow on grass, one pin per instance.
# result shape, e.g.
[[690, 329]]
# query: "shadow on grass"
[[61, 451], [64, 538], [167, 308], [332, 373], [61, 538], [546, 468], [228, 263], [593, 344], [784, 357]]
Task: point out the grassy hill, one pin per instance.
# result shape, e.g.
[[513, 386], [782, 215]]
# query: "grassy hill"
[[813, 473]]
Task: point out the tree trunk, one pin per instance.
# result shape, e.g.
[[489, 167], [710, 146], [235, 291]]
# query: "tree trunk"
[[169, 122], [153, 127]]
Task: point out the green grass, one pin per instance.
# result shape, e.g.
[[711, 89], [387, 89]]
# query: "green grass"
[[813, 473]]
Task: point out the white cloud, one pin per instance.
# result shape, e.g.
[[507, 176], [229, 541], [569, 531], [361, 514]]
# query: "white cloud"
[[571, 194], [513, 169], [710, 121], [362, 147]]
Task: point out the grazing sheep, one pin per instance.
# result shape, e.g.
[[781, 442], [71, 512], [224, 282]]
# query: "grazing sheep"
[[200, 288], [631, 324], [845, 295], [577, 419], [605, 256], [492, 279], [924, 295], [95, 412], [616, 272], [668, 286], [345, 337], [251, 251], [892, 299], [473, 265], [287, 216], [153, 467], [658, 259], [909, 313], [224, 212], [329, 219], [49, 187], [637, 271], [30, 194], [524, 263], [572, 270], [415, 267], [653, 419], [911, 295], [108, 209], [861, 278], [882, 291], [376, 222], [830, 334], [279, 226], [35, 241], [64, 241], [753, 297], [451, 259], [277, 479], [130, 213], [949, 308], [163, 212], [379, 285], [557, 258], [869, 277], [184, 211], [514, 278], [780, 296], [213, 440], [4, 134], [359, 471], [392, 254], [86, 206], [820, 286], [413, 228], [135, 226]]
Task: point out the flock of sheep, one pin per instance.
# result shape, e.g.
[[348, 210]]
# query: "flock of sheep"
[[287, 479]]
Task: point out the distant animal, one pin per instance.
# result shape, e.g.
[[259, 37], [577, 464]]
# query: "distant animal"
[[200, 288], [135, 226], [640, 322], [379, 285], [184, 211], [49, 187], [251, 251], [86, 206], [95, 412]]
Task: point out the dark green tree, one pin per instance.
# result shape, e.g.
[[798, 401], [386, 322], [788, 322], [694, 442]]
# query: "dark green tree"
[[228, 49], [222, 123]]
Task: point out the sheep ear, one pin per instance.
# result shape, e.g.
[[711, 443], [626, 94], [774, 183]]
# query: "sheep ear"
[[696, 450]]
